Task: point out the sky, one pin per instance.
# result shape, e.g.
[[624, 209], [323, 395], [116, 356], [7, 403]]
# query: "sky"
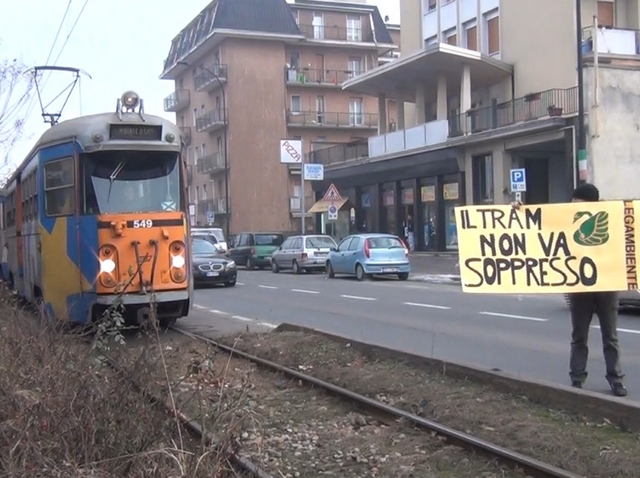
[[121, 44]]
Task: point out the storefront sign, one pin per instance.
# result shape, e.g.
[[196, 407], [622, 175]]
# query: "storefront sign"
[[450, 192], [428, 193], [554, 248], [366, 200], [407, 196]]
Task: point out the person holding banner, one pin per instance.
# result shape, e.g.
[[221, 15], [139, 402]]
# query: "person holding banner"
[[583, 305]]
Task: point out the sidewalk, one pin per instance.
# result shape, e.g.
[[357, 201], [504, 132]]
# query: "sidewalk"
[[439, 268]]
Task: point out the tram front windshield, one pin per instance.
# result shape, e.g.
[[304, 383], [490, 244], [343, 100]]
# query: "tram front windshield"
[[130, 181]]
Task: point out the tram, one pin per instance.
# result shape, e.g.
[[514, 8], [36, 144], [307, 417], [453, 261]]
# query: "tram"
[[96, 215]]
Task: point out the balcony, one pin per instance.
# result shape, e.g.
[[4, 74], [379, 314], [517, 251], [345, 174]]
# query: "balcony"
[[211, 121], [206, 81], [340, 153], [216, 205], [313, 119], [313, 77], [335, 33], [611, 42], [210, 164], [185, 132], [177, 101], [545, 104], [295, 204]]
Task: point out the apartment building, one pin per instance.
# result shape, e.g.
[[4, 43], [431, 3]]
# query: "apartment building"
[[249, 73], [484, 86]]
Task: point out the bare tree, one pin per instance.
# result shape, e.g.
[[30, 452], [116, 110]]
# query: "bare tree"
[[16, 89]]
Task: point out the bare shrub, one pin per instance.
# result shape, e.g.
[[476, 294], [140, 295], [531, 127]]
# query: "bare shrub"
[[63, 413]]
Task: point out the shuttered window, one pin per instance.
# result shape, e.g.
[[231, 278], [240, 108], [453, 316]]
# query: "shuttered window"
[[493, 35], [605, 14], [472, 38], [452, 40], [432, 5]]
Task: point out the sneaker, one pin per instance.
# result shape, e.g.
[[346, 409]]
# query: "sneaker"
[[618, 390], [576, 384]]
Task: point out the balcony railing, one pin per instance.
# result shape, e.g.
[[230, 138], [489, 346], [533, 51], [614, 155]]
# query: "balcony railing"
[[611, 41], [177, 101], [216, 205], [210, 163], [211, 120], [295, 203], [556, 102], [314, 77], [205, 80], [335, 33], [332, 120], [185, 132], [340, 153]]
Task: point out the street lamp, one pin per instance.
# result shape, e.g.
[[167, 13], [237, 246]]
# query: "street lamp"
[[226, 154], [581, 154]]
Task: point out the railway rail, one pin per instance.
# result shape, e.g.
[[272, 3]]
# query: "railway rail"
[[516, 460]]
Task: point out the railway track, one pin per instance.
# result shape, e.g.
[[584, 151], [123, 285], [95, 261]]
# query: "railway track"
[[517, 461]]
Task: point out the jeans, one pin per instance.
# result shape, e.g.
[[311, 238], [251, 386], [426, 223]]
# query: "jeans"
[[605, 305]]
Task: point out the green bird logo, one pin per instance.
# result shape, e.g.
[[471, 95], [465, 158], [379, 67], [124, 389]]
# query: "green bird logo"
[[594, 231]]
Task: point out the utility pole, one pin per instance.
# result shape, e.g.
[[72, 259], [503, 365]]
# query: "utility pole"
[[581, 154]]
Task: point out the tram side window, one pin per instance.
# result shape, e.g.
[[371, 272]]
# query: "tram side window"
[[10, 210], [59, 190]]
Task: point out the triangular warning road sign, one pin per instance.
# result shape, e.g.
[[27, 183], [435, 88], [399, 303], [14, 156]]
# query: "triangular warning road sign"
[[332, 194]]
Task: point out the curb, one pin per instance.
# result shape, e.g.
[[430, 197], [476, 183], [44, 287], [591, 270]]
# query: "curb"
[[437, 278], [622, 412]]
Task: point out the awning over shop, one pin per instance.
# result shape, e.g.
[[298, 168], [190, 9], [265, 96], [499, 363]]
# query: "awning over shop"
[[323, 206]]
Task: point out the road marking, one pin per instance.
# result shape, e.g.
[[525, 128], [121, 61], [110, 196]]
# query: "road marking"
[[509, 316], [196, 306], [267, 286], [428, 306], [239, 283], [244, 319], [303, 291], [219, 312], [357, 297], [628, 331]]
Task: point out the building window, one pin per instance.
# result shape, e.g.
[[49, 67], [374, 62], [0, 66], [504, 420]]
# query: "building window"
[[471, 37], [320, 109], [295, 103], [450, 37], [431, 41], [492, 29], [294, 60], [431, 5], [318, 26], [204, 150], [482, 171], [355, 111], [354, 66], [195, 116], [197, 150], [219, 144], [296, 16], [354, 28], [606, 14], [204, 192]]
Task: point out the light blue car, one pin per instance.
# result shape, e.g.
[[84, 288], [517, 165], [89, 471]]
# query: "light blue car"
[[364, 255]]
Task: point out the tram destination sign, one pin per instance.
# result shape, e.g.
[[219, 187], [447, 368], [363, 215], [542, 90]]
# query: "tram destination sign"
[[135, 132]]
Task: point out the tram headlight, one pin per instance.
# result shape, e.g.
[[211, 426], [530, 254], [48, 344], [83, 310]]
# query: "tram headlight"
[[177, 261], [130, 99], [107, 266]]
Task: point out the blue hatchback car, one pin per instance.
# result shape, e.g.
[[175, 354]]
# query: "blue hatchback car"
[[368, 254]]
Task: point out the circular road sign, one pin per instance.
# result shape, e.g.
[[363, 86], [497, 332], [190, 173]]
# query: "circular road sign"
[[333, 210]]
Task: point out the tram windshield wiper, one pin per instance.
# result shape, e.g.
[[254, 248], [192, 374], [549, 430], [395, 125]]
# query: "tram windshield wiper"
[[114, 175]]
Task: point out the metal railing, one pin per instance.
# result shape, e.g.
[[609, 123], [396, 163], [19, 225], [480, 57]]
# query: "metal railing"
[[210, 163], [295, 203], [324, 32], [177, 100], [332, 120], [211, 119], [205, 79], [185, 132], [310, 76], [340, 153], [555, 102]]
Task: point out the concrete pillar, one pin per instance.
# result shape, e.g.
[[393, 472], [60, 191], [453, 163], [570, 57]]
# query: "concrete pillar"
[[420, 105], [441, 102], [465, 90], [400, 111], [382, 114]]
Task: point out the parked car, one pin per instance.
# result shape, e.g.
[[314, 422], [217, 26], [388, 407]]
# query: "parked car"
[[254, 249], [628, 299], [209, 266], [216, 232], [211, 238], [302, 253], [364, 255]]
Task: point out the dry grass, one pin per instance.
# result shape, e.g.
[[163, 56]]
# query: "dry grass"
[[64, 413]]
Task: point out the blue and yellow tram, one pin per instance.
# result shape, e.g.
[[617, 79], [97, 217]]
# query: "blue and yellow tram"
[[97, 215]]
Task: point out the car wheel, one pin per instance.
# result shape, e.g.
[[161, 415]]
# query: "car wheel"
[[330, 272], [274, 267], [403, 276], [360, 274], [230, 283], [295, 267], [250, 265]]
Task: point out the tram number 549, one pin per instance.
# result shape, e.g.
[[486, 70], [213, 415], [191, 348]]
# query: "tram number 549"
[[142, 223]]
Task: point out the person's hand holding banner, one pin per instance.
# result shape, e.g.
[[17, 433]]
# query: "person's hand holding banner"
[[556, 248]]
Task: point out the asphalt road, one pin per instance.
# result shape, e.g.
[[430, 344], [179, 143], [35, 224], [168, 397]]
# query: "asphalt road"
[[524, 335]]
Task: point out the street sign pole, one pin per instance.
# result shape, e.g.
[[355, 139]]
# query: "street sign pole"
[[302, 204], [518, 183]]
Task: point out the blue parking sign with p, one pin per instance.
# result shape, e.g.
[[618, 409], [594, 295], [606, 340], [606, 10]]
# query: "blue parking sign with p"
[[518, 180]]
